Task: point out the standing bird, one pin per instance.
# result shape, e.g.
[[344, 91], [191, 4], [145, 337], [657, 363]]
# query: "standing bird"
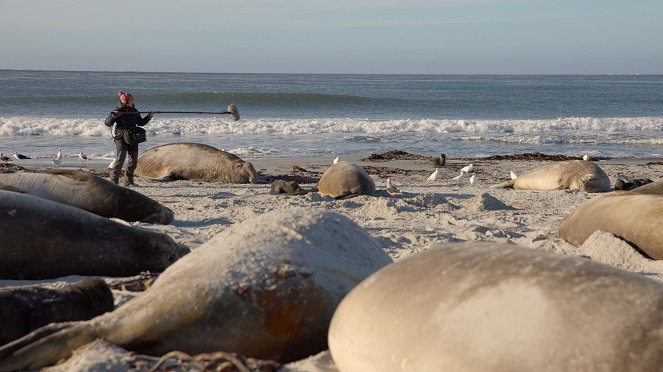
[[4, 158], [18, 156], [473, 179], [585, 157], [336, 160], [83, 157], [513, 175], [433, 176], [58, 156], [391, 189], [459, 177], [467, 169], [56, 161]]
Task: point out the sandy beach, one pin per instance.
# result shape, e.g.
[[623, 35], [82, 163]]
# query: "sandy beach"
[[440, 211]]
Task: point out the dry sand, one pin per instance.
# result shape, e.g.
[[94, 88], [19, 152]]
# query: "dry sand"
[[443, 210]]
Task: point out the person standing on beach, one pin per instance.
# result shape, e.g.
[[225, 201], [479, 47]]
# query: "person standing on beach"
[[125, 117]]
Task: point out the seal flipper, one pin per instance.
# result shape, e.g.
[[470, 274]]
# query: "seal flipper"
[[45, 346], [504, 185]]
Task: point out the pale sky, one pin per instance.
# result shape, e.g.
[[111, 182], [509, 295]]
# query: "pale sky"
[[336, 36]]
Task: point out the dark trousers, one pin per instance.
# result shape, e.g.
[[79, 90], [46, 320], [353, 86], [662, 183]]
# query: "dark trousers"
[[121, 151]]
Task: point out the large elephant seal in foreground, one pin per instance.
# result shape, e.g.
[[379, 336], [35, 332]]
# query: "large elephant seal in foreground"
[[580, 175], [266, 288], [499, 307], [44, 239], [89, 192], [194, 161], [344, 180], [636, 218], [25, 308]]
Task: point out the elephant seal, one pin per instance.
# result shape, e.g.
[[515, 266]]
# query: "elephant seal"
[[345, 180], [499, 307], [26, 308], [89, 192], [43, 239], [265, 288], [629, 183], [194, 161], [631, 216], [651, 187], [580, 175], [286, 187]]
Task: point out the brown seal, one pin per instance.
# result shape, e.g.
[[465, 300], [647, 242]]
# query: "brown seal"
[[345, 180], [265, 288], [194, 161], [632, 216], [89, 192], [44, 239], [580, 175], [499, 307]]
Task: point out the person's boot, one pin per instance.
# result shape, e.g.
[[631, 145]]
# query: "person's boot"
[[129, 181]]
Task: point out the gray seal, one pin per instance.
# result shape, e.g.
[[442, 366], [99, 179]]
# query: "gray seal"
[[580, 175], [89, 192], [26, 308], [632, 216], [345, 180], [499, 307], [265, 288], [43, 239], [194, 161]]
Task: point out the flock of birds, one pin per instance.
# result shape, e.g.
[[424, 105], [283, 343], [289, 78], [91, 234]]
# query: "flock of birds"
[[56, 159]]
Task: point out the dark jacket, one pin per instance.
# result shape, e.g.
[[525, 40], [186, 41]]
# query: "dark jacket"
[[126, 121]]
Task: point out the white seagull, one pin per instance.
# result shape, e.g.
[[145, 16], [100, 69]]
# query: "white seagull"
[[473, 180], [459, 177], [433, 176], [391, 189], [585, 157], [336, 160], [467, 169], [58, 156], [56, 161], [513, 175]]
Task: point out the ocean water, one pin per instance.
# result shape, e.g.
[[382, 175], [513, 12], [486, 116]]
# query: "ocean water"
[[288, 115]]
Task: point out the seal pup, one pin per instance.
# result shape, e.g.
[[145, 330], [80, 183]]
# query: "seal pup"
[[89, 192], [286, 187], [43, 239], [194, 161], [265, 288], [345, 180], [631, 216], [580, 175], [26, 308], [645, 186], [499, 307]]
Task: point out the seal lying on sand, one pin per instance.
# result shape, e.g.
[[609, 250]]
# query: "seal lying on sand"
[[654, 188], [286, 187], [44, 239], [345, 180], [23, 309], [91, 193], [194, 161], [266, 288], [631, 216], [499, 307], [580, 175]]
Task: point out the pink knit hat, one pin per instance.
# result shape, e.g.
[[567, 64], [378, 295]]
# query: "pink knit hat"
[[125, 97]]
